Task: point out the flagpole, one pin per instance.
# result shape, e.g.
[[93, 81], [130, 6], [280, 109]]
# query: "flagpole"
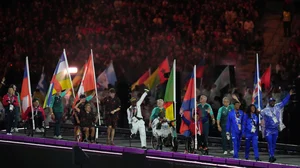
[[97, 100], [29, 88], [195, 106], [174, 91], [258, 83], [65, 55]]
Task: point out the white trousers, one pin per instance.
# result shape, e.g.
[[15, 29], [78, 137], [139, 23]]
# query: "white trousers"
[[139, 126]]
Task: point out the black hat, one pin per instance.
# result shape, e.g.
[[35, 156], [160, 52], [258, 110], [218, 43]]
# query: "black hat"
[[235, 102], [82, 96], [34, 100], [112, 90]]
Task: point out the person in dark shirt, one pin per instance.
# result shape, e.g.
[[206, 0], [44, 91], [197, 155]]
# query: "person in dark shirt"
[[87, 120], [112, 107]]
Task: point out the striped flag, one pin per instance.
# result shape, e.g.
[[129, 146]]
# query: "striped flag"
[[170, 94], [26, 98], [141, 80], [257, 91], [61, 79]]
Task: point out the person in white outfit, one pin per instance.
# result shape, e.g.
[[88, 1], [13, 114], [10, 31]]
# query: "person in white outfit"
[[135, 118]]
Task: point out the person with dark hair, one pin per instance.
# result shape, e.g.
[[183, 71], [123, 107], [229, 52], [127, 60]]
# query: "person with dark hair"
[[272, 120], [17, 110], [135, 118], [38, 113], [112, 107], [10, 102], [195, 129], [250, 131], [88, 119], [234, 127]]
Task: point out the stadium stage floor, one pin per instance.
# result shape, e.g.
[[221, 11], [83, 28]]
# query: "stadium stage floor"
[[290, 158]]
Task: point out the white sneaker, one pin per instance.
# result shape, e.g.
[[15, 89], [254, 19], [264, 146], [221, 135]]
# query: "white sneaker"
[[232, 152], [8, 134], [59, 137], [225, 153], [16, 130], [42, 130], [37, 130], [55, 137]]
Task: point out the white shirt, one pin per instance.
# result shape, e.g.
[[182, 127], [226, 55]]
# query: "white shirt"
[[137, 109]]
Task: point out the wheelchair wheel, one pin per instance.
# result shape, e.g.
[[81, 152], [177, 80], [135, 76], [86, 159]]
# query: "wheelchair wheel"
[[154, 142]]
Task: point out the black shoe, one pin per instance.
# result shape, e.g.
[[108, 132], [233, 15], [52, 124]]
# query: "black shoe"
[[257, 159], [272, 159], [144, 147]]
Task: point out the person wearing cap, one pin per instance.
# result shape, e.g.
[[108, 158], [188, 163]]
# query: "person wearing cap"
[[10, 102], [135, 118], [206, 111], [17, 110], [112, 107], [272, 122], [38, 113], [234, 127]]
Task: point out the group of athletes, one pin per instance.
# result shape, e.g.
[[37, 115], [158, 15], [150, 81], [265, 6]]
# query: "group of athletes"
[[232, 122]]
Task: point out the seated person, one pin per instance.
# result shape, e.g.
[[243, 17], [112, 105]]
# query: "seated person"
[[158, 121], [38, 113], [193, 126], [87, 121]]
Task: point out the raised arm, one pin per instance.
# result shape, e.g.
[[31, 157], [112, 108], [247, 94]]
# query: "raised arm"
[[138, 103], [285, 100]]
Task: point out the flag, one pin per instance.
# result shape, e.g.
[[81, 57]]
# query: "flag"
[[158, 76], [88, 79], [76, 82], [141, 80], [266, 78], [108, 76], [200, 68], [42, 84], [223, 80], [170, 96], [257, 93], [25, 90], [26, 98], [188, 103], [61, 79]]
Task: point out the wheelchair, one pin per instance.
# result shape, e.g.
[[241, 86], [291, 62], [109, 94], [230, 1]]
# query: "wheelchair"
[[191, 146], [164, 135], [80, 136]]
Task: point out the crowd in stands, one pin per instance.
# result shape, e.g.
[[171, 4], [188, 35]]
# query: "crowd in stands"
[[128, 32]]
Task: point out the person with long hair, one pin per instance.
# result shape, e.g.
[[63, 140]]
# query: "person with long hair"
[[250, 131]]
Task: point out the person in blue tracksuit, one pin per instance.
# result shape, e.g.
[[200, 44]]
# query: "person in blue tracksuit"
[[234, 127], [271, 119], [250, 131]]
